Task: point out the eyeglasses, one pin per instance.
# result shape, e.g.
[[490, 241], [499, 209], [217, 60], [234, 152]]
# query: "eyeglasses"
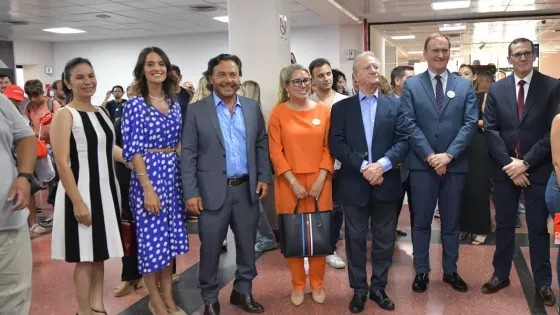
[[298, 82], [525, 54]]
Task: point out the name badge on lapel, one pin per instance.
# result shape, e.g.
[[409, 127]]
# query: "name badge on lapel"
[[450, 94]]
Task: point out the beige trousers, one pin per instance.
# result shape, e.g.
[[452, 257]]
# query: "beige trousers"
[[15, 272]]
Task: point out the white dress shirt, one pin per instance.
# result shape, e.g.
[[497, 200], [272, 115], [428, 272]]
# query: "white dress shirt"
[[527, 80], [443, 76]]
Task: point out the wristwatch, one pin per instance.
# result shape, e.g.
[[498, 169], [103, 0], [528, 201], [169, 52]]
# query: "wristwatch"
[[27, 176], [449, 156], [526, 164]]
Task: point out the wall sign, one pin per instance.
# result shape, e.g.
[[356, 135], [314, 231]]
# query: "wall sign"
[[283, 27], [49, 70], [350, 54]]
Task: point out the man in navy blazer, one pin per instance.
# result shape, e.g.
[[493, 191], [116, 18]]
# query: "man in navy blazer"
[[517, 119], [441, 114], [368, 137]]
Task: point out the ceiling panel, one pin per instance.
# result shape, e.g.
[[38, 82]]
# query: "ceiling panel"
[[148, 4]]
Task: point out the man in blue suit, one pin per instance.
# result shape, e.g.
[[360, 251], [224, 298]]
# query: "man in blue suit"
[[369, 138], [517, 119], [441, 114]]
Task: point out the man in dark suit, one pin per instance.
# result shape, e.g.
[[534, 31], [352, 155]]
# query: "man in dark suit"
[[441, 113], [517, 119], [225, 171], [369, 140], [399, 75]]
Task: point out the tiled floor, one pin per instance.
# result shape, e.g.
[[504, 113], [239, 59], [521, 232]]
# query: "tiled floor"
[[53, 288]]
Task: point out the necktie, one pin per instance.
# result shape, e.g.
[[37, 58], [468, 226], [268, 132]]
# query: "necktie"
[[439, 93], [520, 105]]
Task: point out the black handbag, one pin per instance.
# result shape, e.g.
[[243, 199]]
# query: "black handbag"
[[306, 234]]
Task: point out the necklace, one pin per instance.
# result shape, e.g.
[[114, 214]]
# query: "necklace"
[[157, 99]]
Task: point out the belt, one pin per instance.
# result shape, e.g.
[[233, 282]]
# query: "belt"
[[166, 150], [233, 182]]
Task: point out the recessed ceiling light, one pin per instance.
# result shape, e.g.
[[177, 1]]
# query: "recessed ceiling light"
[[64, 30], [224, 19], [341, 8], [399, 37], [448, 5], [452, 27], [415, 52]]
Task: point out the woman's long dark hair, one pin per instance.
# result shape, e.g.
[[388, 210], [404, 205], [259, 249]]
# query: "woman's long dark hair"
[[140, 85], [67, 74]]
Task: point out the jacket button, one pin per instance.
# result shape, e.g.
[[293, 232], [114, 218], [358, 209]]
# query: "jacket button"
[[436, 136], [224, 155], [224, 172]]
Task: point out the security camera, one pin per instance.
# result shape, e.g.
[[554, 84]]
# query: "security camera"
[[543, 22]]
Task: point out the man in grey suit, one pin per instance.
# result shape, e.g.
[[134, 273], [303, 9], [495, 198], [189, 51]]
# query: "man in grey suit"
[[225, 170], [442, 116]]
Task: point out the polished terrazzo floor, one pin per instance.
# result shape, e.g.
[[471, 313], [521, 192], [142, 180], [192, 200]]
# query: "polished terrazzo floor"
[[53, 288]]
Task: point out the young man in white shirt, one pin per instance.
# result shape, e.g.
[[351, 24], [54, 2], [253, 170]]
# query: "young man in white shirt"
[[321, 73]]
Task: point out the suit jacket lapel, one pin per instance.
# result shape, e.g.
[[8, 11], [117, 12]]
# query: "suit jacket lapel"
[[357, 108], [248, 118], [512, 96], [213, 115], [531, 94], [427, 84], [451, 84], [380, 112]]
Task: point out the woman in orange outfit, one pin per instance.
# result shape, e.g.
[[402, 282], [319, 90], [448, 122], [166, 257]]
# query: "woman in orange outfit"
[[298, 131]]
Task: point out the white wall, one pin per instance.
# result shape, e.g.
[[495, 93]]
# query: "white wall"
[[351, 37], [114, 60], [34, 56], [309, 43]]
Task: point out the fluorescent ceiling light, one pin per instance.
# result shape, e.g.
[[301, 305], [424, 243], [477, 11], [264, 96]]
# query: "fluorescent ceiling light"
[[452, 27], [403, 37], [448, 5], [415, 52], [64, 30], [350, 15], [224, 19]]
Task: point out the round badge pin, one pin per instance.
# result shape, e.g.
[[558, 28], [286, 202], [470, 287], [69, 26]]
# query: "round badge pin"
[[450, 94], [316, 122]]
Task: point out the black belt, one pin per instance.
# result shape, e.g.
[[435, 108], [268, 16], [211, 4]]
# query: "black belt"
[[232, 182]]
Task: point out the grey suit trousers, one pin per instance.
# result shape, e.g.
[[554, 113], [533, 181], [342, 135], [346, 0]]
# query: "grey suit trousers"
[[239, 212]]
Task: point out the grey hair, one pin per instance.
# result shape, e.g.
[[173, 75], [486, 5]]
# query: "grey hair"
[[287, 72], [356, 63]]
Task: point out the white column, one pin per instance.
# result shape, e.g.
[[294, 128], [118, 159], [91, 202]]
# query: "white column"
[[262, 42]]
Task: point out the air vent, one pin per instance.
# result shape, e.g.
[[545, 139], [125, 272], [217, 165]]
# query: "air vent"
[[103, 16], [203, 8], [15, 22]]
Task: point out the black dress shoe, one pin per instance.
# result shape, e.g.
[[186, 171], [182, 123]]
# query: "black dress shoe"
[[401, 233], [357, 304], [420, 283], [494, 285], [455, 281], [212, 309], [245, 302], [381, 298], [547, 295]]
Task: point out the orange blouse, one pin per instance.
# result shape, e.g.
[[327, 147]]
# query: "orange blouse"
[[298, 140]]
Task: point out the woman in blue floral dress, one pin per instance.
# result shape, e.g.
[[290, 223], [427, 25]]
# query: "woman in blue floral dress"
[[151, 131]]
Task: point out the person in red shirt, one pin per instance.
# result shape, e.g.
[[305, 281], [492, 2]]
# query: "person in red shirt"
[[38, 106]]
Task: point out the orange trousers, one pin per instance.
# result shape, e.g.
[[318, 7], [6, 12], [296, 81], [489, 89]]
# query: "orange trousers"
[[316, 272]]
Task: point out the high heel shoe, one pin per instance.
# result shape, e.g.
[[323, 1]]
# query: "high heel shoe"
[[297, 297], [179, 312], [318, 296]]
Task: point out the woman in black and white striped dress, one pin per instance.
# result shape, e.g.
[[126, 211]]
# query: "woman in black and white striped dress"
[[86, 215]]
